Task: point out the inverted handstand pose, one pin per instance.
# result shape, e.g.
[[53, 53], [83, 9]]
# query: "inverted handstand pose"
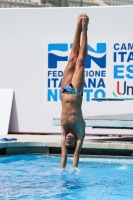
[[72, 123]]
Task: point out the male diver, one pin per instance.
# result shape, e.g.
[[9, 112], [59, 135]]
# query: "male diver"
[[72, 122]]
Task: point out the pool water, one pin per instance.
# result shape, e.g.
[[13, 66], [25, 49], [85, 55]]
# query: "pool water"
[[38, 177]]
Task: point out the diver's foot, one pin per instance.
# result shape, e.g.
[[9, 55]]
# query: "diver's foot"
[[79, 22], [85, 21]]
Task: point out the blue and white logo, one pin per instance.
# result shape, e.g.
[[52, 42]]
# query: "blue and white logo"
[[59, 52], [95, 70]]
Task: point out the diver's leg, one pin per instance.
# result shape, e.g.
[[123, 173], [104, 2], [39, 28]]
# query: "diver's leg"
[[69, 70], [78, 76]]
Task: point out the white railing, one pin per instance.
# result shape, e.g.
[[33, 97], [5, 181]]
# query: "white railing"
[[110, 2]]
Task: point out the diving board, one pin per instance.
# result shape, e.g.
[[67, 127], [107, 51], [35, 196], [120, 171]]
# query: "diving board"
[[124, 121], [112, 99]]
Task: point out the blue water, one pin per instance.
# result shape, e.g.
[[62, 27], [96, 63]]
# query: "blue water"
[[38, 177]]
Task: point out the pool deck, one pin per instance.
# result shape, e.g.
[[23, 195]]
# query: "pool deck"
[[50, 144]]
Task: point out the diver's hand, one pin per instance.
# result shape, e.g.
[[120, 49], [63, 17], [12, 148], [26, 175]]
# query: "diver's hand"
[[74, 170]]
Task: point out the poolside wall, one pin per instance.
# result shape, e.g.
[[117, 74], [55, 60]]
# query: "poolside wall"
[[29, 62]]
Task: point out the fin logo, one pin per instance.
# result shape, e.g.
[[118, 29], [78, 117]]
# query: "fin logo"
[[59, 52]]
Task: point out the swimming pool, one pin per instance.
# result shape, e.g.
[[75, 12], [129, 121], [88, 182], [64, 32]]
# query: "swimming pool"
[[38, 177]]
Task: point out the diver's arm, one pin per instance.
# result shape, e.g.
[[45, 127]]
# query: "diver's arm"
[[77, 151], [63, 152]]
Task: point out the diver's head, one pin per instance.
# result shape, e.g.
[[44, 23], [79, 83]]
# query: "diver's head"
[[70, 140]]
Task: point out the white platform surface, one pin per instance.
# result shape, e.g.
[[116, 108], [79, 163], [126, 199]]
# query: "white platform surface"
[[6, 98]]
